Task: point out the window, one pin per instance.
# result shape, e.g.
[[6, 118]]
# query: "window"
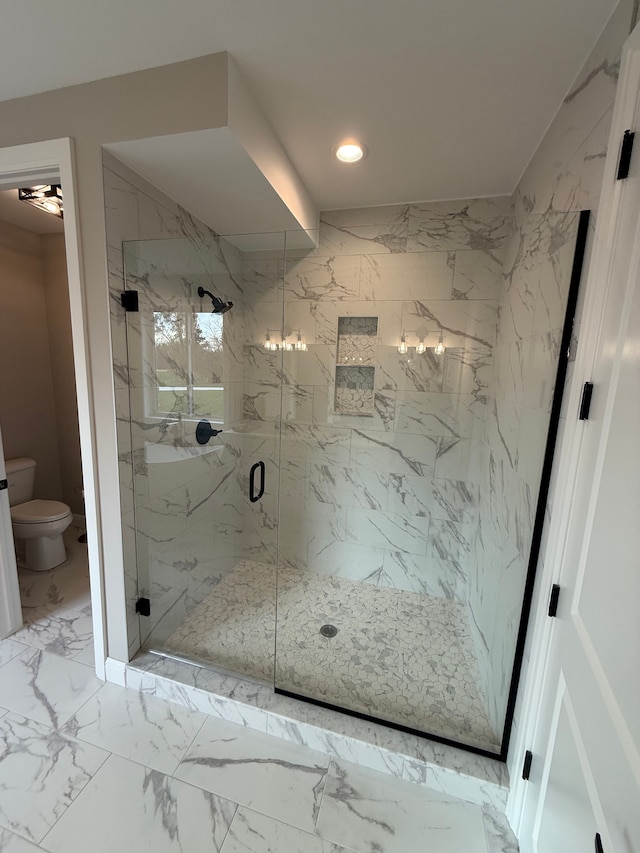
[[188, 364]]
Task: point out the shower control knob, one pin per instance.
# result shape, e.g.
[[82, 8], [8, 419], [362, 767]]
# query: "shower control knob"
[[204, 431]]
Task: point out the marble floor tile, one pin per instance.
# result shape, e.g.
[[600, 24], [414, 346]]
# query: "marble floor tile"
[[251, 832], [64, 588], [45, 687], [370, 813], [137, 726], [66, 633], [129, 807], [9, 649], [41, 772], [10, 843], [279, 779]]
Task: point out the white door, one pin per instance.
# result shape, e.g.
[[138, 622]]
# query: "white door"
[[586, 751], [10, 609]]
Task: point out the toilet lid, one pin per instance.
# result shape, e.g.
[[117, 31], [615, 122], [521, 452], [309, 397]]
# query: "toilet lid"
[[39, 511]]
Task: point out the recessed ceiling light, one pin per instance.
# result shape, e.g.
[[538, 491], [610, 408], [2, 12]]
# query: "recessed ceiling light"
[[350, 152]]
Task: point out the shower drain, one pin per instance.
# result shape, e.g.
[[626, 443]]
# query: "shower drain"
[[328, 630]]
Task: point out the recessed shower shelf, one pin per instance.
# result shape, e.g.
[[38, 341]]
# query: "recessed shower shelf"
[[355, 366]]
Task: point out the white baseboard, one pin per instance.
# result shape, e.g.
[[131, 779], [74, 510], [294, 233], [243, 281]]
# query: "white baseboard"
[[115, 671]]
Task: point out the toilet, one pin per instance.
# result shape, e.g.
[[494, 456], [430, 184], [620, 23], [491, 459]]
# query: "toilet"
[[37, 525]]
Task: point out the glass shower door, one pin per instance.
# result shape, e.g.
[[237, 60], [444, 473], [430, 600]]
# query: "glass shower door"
[[205, 406]]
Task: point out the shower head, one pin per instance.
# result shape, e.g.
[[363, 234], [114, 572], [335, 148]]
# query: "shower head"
[[219, 307]]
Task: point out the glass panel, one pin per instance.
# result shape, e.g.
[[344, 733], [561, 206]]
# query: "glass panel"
[[206, 553], [414, 424]]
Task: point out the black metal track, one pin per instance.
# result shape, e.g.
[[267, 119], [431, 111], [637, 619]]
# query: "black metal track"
[[379, 721]]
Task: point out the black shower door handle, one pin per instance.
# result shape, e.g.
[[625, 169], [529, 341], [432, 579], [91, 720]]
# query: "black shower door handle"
[[253, 497]]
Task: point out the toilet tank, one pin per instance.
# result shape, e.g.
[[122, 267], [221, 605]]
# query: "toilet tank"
[[21, 475]]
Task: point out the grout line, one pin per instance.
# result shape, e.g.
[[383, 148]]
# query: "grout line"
[[324, 788], [80, 792]]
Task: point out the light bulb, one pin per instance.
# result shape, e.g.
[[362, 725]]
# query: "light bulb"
[[350, 152], [300, 346], [420, 348], [403, 346], [439, 348]]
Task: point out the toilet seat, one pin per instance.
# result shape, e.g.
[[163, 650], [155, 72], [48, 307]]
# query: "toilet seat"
[[38, 511]]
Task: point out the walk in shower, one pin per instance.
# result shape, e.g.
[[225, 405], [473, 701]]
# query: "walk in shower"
[[337, 451]]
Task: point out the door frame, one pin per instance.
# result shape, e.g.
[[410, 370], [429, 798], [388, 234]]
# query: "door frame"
[[42, 162], [612, 251]]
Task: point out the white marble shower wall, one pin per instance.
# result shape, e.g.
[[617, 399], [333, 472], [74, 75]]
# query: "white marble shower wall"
[[183, 506], [537, 269], [390, 497]]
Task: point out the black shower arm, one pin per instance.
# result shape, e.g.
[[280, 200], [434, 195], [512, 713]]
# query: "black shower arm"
[[202, 292]]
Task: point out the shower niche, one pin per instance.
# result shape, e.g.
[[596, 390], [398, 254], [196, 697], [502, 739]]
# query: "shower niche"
[[356, 366]]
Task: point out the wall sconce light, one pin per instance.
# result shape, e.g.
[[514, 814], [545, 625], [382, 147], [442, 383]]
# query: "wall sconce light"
[[47, 197], [402, 349], [439, 348], [268, 343], [285, 345]]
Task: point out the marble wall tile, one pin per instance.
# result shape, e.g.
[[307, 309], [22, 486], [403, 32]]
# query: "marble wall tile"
[[429, 414], [390, 215], [449, 500], [315, 443], [457, 459], [467, 371], [426, 575], [449, 540], [357, 562], [409, 371], [336, 277], [478, 275], [385, 530], [121, 209], [377, 237], [312, 367], [480, 224], [541, 358], [552, 180], [414, 275], [355, 487], [394, 452], [462, 323]]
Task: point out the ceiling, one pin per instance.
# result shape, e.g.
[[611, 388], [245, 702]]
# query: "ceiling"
[[452, 97]]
